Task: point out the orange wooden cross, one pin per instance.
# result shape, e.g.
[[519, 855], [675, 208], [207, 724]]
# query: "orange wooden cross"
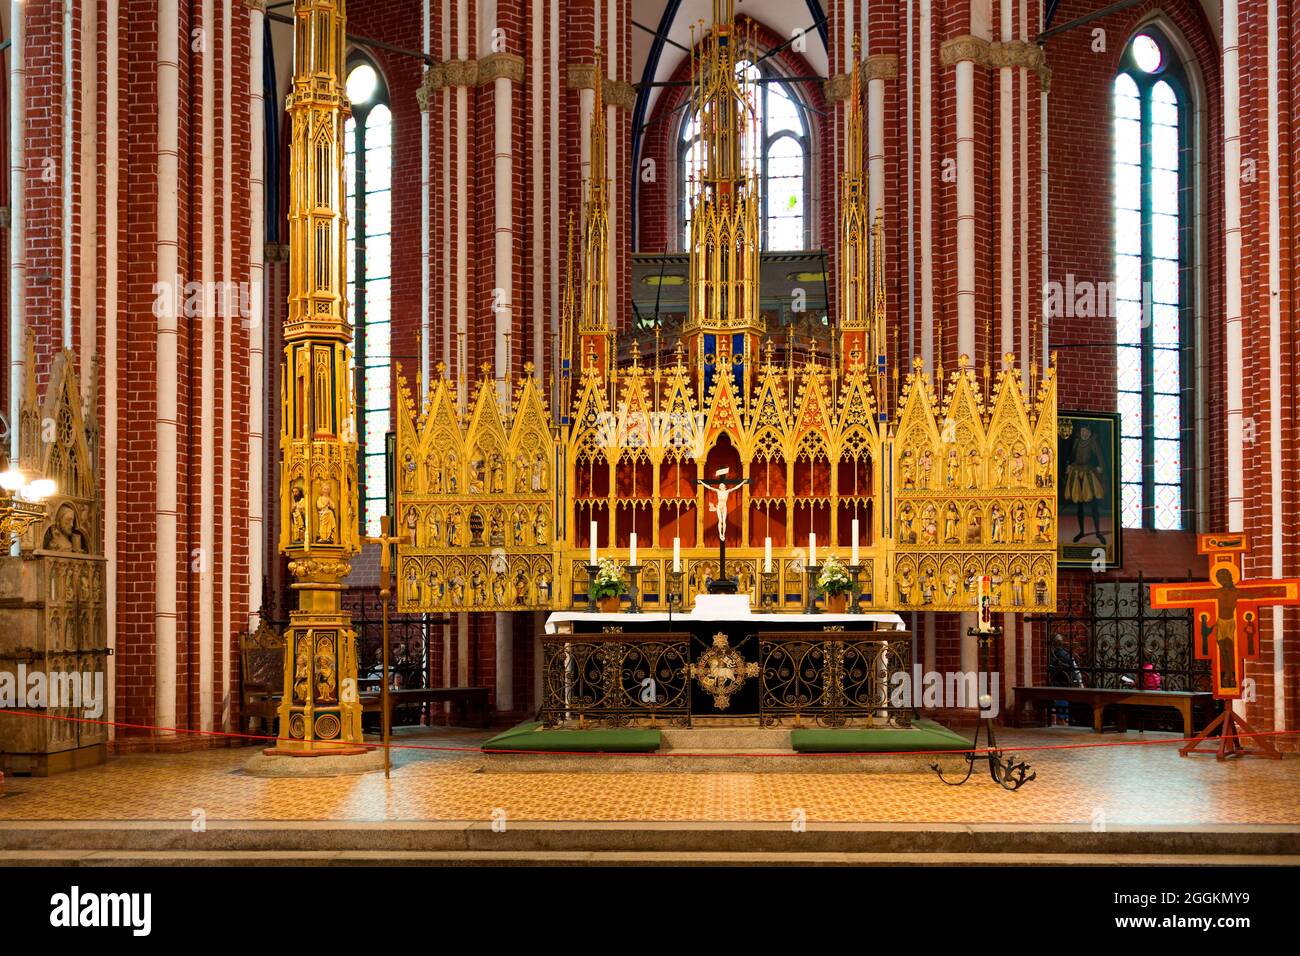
[[1226, 616], [1226, 611]]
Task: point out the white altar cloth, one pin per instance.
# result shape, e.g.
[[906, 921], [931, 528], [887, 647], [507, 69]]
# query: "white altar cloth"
[[884, 621]]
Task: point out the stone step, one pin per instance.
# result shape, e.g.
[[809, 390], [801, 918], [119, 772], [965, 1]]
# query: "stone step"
[[55, 841], [151, 858], [734, 739]]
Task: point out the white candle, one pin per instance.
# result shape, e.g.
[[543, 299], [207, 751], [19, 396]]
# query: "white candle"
[[812, 549], [854, 549], [677, 555], [631, 559], [767, 555], [593, 543]]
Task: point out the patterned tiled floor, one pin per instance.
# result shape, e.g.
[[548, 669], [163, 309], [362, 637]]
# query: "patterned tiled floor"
[[1129, 785]]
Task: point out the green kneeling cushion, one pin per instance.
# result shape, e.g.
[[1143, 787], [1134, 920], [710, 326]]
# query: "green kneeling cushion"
[[532, 737], [923, 735]]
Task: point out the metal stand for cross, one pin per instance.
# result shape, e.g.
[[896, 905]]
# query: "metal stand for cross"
[[1005, 771], [385, 591]]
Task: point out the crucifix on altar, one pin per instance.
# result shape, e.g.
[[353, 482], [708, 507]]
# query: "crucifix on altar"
[[1225, 624], [722, 489]]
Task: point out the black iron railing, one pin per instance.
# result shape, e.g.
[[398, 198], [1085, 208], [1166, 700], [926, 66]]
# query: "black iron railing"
[[619, 679]]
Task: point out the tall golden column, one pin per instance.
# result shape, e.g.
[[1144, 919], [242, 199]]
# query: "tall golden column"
[[320, 713]]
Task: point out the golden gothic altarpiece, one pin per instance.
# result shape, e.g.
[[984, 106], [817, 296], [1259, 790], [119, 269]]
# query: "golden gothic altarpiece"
[[954, 482], [946, 479]]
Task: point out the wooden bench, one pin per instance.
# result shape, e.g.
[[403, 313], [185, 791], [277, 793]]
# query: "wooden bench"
[[474, 699], [261, 655], [1099, 698]]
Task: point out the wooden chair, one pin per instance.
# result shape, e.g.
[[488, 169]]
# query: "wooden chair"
[[262, 672]]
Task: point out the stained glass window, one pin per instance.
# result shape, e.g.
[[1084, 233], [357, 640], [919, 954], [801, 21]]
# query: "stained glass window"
[[367, 169], [1151, 295], [781, 165]]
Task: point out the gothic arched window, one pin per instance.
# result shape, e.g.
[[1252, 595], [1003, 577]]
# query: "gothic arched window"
[[782, 163], [1153, 288], [368, 168]]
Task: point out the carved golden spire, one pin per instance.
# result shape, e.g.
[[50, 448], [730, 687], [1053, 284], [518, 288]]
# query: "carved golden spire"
[[861, 330], [723, 326], [319, 528], [594, 317]]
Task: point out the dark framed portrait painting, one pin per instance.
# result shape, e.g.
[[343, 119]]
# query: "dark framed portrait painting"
[[1088, 490]]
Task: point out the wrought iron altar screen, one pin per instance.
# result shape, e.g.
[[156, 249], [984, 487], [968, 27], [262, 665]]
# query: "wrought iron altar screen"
[[415, 639], [1113, 633], [828, 677]]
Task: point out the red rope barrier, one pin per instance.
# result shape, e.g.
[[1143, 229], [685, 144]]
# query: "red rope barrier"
[[570, 753]]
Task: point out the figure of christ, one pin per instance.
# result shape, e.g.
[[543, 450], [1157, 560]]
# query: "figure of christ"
[[722, 490], [1229, 598]]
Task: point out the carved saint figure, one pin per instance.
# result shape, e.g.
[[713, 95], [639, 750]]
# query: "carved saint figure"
[[974, 527], [973, 469], [1018, 466], [1018, 523], [906, 524], [950, 587], [1043, 469], [1043, 522], [929, 525], [905, 584], [995, 586], [927, 586], [999, 466], [498, 475], [543, 587], [521, 587], [408, 474], [924, 469], [64, 532], [434, 586], [951, 517], [298, 515], [521, 474], [435, 528], [1018, 588], [997, 523], [302, 673], [413, 525], [518, 529], [452, 467], [907, 468], [326, 518], [539, 472], [433, 474], [1040, 590], [540, 527], [954, 466]]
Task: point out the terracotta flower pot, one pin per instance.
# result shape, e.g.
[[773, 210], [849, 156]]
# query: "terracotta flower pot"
[[610, 605], [837, 603]]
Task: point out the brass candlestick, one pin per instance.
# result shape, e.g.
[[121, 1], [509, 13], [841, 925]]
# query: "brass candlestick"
[[810, 606], [855, 594], [676, 592], [591, 587], [633, 589]]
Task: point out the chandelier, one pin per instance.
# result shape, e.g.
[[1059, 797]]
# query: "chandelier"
[[22, 501]]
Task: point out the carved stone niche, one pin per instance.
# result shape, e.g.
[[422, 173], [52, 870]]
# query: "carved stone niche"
[[52, 632], [53, 622]]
